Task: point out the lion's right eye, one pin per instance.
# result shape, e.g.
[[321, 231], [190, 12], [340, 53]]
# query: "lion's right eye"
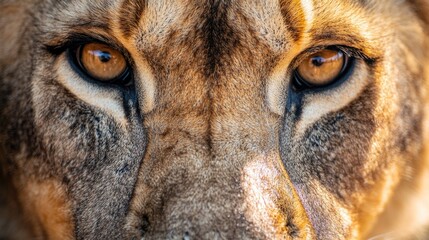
[[102, 63]]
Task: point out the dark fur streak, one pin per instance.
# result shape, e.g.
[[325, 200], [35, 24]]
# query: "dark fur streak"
[[131, 12], [293, 30], [124, 169], [95, 23], [218, 34], [294, 24], [219, 41]]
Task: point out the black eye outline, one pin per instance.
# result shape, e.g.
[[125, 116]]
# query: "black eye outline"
[[125, 79], [300, 84]]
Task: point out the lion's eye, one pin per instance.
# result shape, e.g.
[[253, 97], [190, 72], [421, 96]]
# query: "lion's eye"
[[102, 62], [321, 68]]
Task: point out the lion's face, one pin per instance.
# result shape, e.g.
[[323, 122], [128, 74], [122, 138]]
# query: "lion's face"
[[212, 119]]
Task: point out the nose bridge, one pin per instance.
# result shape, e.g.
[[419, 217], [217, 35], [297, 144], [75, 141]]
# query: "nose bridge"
[[212, 166], [213, 169]]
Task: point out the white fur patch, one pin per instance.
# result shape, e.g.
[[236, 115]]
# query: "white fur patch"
[[317, 105], [276, 88], [258, 177], [147, 86], [106, 99], [307, 7]]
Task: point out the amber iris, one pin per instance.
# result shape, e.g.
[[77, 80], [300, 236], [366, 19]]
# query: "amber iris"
[[322, 67], [102, 62]]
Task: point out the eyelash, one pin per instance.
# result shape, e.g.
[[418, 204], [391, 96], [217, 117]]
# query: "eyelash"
[[350, 51]]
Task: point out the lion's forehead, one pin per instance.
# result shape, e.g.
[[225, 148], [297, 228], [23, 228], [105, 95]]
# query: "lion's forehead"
[[274, 23]]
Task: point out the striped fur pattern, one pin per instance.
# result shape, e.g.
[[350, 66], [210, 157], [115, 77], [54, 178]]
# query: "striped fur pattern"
[[212, 142]]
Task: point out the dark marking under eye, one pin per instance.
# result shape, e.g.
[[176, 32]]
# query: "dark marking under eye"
[[294, 104], [130, 103]]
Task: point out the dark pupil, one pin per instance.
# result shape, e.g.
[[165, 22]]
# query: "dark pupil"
[[104, 56], [317, 61]]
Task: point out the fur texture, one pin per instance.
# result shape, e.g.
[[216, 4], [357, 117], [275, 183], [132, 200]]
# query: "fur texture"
[[212, 142]]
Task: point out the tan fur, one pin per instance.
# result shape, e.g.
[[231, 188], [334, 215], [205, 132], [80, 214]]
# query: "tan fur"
[[47, 209], [212, 141]]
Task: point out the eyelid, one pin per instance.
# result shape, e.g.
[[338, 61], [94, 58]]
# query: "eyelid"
[[349, 51], [75, 39]]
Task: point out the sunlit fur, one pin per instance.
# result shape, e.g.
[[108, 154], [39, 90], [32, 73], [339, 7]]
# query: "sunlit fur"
[[213, 142]]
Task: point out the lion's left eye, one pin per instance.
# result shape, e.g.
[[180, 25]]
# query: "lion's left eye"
[[102, 63], [321, 68]]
